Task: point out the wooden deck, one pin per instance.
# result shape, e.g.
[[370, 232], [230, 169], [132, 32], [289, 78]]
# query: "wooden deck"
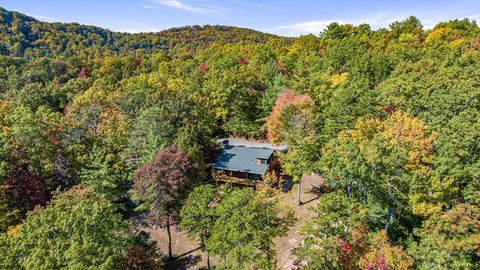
[[235, 180]]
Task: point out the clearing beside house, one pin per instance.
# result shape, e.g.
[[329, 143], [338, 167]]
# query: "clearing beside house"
[[189, 255]]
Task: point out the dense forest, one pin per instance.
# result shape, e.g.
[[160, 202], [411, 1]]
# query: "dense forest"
[[99, 128]]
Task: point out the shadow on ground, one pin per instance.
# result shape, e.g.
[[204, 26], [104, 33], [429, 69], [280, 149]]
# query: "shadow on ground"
[[184, 261], [314, 187]]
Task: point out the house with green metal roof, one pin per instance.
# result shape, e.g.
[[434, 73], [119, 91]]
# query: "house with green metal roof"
[[243, 163]]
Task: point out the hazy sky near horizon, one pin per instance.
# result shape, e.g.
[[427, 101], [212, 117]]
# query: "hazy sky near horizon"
[[283, 17]]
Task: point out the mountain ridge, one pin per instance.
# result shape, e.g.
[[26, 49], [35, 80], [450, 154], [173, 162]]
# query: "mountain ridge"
[[24, 35]]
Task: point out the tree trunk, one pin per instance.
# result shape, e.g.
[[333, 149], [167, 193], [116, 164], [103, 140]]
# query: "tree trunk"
[[387, 220], [347, 190], [208, 255], [169, 239], [299, 191], [208, 261], [239, 261], [269, 258]]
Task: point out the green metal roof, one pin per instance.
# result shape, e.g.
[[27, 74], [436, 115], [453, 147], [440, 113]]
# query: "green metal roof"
[[243, 159]]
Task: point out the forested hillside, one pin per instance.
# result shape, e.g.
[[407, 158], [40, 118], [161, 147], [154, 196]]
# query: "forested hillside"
[[22, 35], [98, 126]]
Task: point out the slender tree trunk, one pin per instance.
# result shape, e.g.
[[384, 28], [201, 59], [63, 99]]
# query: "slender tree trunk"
[[347, 190], [299, 191], [208, 261], [169, 239], [239, 262], [225, 262], [269, 258], [208, 255], [387, 221]]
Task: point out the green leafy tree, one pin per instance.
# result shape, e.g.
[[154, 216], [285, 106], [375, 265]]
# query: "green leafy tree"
[[244, 229], [378, 160], [449, 240], [335, 229], [106, 173], [78, 230], [198, 216]]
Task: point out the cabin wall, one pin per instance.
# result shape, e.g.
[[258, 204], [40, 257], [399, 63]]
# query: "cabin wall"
[[240, 174]]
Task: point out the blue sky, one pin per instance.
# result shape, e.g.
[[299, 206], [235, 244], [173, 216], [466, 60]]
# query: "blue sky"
[[284, 17]]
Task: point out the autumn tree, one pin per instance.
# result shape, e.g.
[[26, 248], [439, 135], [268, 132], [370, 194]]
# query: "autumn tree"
[[384, 255], [378, 160], [448, 240], [142, 254], [292, 123], [31, 143], [161, 186], [336, 237], [285, 99], [96, 136]]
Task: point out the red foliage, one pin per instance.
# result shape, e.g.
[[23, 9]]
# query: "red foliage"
[[138, 61], [54, 140], [24, 189], [382, 264], [346, 250], [170, 166], [84, 73], [67, 107], [58, 84], [244, 61], [389, 110], [203, 68]]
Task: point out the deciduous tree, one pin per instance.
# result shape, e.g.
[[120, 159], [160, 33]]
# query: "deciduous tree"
[[162, 184]]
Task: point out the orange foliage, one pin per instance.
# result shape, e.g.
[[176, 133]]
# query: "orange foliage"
[[406, 132], [287, 98]]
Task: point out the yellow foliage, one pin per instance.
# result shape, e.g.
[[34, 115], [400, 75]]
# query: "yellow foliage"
[[339, 79], [13, 231], [458, 43], [175, 84], [408, 37], [435, 36], [5, 109], [432, 195], [401, 131], [272, 179], [382, 253]]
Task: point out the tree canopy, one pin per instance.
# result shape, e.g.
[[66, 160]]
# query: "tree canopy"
[[97, 126]]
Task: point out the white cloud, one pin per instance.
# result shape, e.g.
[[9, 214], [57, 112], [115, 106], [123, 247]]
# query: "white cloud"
[[138, 30], [148, 6], [199, 9], [378, 20], [44, 18], [475, 17]]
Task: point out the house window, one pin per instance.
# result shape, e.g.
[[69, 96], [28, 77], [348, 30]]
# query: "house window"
[[262, 161], [253, 176], [230, 173]]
